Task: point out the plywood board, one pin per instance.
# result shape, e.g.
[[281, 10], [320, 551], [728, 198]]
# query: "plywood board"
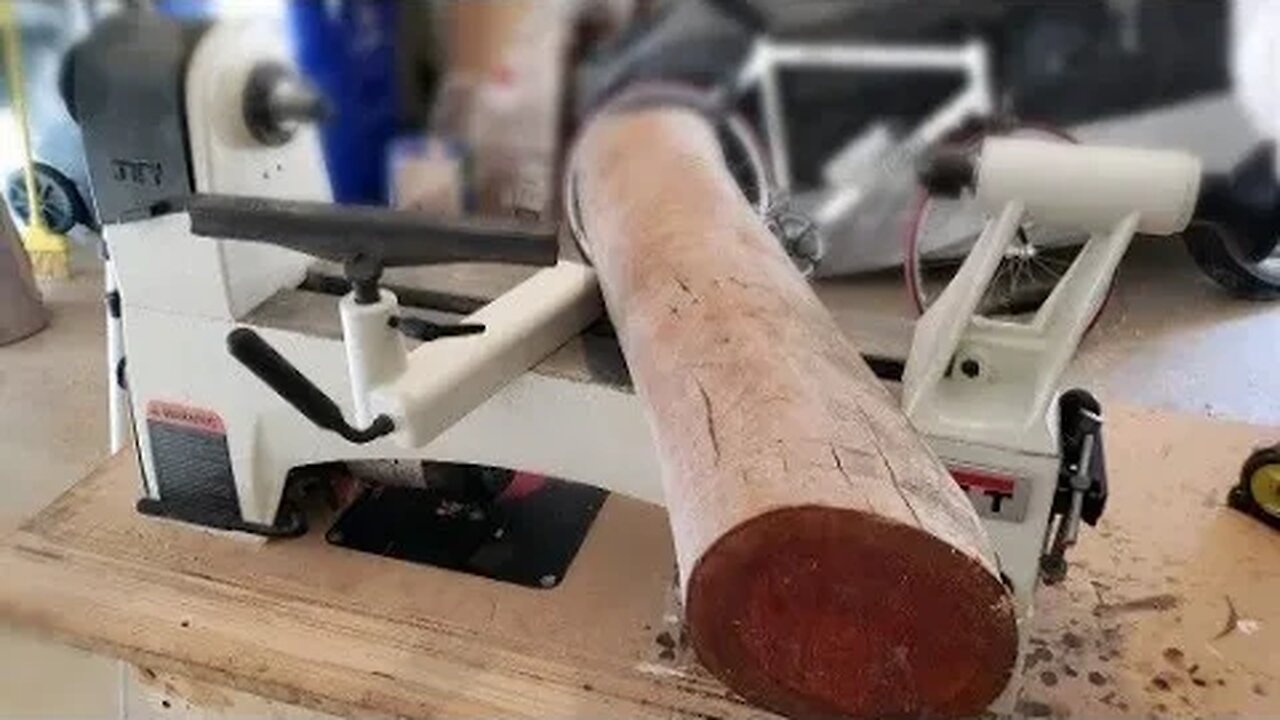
[[336, 630], [1140, 626], [1137, 628]]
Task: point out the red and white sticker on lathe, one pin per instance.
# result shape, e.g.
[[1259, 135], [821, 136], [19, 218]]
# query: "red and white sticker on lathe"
[[185, 416], [994, 494]]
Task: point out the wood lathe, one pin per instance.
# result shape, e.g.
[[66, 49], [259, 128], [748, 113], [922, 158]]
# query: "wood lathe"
[[831, 557]]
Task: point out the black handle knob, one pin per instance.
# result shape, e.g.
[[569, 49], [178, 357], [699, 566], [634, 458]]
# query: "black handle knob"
[[946, 172], [426, 331], [280, 375], [277, 100]]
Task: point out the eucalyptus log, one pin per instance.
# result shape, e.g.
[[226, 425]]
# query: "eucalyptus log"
[[828, 562]]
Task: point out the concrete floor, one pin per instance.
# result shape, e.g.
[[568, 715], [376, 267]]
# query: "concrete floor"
[[53, 429], [1168, 338]]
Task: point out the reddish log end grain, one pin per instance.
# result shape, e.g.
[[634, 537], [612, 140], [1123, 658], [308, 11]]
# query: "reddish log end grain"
[[820, 612], [830, 565]]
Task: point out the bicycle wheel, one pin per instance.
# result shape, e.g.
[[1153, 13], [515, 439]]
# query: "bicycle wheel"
[[1217, 250], [1235, 236], [61, 206]]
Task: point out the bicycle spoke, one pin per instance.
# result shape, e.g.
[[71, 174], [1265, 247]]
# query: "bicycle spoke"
[[1054, 273], [993, 289], [1014, 276]]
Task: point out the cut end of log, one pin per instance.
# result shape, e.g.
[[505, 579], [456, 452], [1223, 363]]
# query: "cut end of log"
[[819, 612]]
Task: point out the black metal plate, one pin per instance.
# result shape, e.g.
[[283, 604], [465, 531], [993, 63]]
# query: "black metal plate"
[[387, 237], [526, 532], [192, 466]]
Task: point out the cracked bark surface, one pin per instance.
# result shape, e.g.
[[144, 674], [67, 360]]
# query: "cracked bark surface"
[[829, 564]]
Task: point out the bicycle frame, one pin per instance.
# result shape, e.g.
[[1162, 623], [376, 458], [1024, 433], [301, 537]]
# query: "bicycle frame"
[[769, 57]]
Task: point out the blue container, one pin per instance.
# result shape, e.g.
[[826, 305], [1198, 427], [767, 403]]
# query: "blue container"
[[185, 9], [347, 48]]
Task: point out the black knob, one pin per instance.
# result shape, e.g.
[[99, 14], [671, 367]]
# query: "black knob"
[[277, 100], [946, 172], [426, 331]]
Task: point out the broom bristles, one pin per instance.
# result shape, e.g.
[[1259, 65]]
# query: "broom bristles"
[[50, 265], [50, 258]]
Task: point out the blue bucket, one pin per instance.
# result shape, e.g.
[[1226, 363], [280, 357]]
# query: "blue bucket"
[[347, 48]]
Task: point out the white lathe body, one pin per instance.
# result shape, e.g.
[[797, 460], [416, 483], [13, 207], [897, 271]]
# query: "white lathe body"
[[216, 447]]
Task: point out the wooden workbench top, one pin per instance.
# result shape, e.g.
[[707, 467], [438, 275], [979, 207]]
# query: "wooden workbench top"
[[1170, 607]]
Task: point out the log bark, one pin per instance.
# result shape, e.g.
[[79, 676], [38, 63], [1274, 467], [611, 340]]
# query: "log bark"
[[829, 564]]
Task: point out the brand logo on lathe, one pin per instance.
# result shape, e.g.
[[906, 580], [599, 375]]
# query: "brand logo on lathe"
[[993, 493], [137, 172]]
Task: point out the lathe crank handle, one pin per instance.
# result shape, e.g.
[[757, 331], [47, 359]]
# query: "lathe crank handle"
[[280, 375]]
